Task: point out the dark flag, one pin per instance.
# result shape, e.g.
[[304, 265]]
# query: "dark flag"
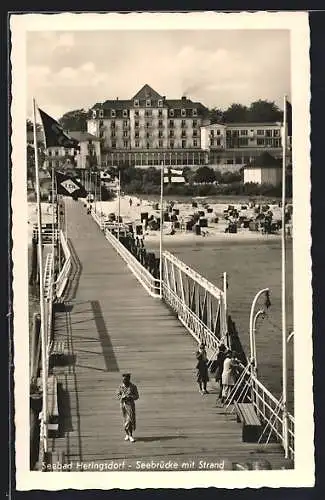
[[55, 135], [69, 186], [289, 118]]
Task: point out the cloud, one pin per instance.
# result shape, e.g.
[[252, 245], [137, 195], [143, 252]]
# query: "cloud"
[[70, 70]]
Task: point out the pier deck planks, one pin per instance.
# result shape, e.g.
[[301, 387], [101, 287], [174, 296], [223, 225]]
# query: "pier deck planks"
[[113, 326]]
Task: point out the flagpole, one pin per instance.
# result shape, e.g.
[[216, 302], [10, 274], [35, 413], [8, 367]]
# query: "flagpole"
[[161, 225], [41, 289], [119, 204], [283, 285]]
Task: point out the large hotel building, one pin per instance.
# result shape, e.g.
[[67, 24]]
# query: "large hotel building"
[[149, 129]]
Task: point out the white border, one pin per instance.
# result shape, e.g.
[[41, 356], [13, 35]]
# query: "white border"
[[297, 23]]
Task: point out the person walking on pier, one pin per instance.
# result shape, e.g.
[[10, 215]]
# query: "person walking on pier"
[[221, 356], [127, 394], [202, 374], [230, 367]]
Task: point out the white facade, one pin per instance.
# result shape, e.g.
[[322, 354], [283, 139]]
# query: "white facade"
[[263, 175]]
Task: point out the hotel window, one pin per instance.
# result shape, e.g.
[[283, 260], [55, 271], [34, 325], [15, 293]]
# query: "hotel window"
[[276, 133], [136, 134], [125, 123], [161, 144], [56, 163], [212, 133], [160, 103], [171, 144], [183, 123], [194, 133], [94, 113], [171, 123], [194, 112], [101, 114], [137, 144], [125, 133], [147, 124], [113, 144], [183, 133], [148, 103], [183, 112], [136, 113], [160, 113], [171, 112], [218, 131], [113, 133], [195, 143], [268, 133], [218, 142], [113, 124], [260, 132], [230, 161], [183, 144], [136, 123], [260, 142], [194, 123], [50, 152], [113, 113], [148, 145], [125, 144], [56, 152], [243, 141], [148, 135], [125, 113], [160, 123], [243, 132], [101, 134], [276, 143], [101, 123], [160, 134], [136, 103], [148, 112], [171, 133]]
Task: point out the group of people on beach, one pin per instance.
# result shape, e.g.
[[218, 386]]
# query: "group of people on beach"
[[226, 368]]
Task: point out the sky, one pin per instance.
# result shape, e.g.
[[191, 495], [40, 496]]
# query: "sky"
[[69, 70]]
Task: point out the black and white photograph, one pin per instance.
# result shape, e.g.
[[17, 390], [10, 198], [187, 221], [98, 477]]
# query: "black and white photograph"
[[161, 250]]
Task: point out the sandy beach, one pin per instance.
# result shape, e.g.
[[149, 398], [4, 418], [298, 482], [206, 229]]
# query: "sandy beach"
[[215, 231]]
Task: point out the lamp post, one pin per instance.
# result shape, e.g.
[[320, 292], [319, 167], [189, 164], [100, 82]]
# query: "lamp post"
[[252, 325]]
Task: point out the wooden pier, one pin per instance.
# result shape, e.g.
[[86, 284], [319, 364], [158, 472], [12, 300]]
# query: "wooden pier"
[[111, 325]]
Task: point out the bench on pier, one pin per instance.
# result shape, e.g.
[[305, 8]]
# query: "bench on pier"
[[58, 352], [53, 406], [251, 423]]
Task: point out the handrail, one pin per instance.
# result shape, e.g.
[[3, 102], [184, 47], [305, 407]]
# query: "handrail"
[[148, 281], [63, 276]]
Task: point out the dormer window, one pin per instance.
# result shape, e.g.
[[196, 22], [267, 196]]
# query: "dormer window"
[[171, 112], [194, 112], [160, 103], [113, 113], [101, 113], [94, 113], [136, 103], [148, 103], [125, 113], [183, 112]]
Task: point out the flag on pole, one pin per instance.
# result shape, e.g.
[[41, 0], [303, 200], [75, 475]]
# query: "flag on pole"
[[286, 129], [54, 133], [172, 175], [67, 185]]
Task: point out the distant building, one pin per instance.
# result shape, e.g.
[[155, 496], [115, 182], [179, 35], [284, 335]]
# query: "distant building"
[[264, 170], [236, 144], [148, 129], [88, 156]]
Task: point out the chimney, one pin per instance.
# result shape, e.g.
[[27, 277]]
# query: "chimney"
[[117, 98]]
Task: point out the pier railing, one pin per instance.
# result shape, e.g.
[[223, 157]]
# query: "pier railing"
[[63, 276], [149, 282], [200, 306]]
